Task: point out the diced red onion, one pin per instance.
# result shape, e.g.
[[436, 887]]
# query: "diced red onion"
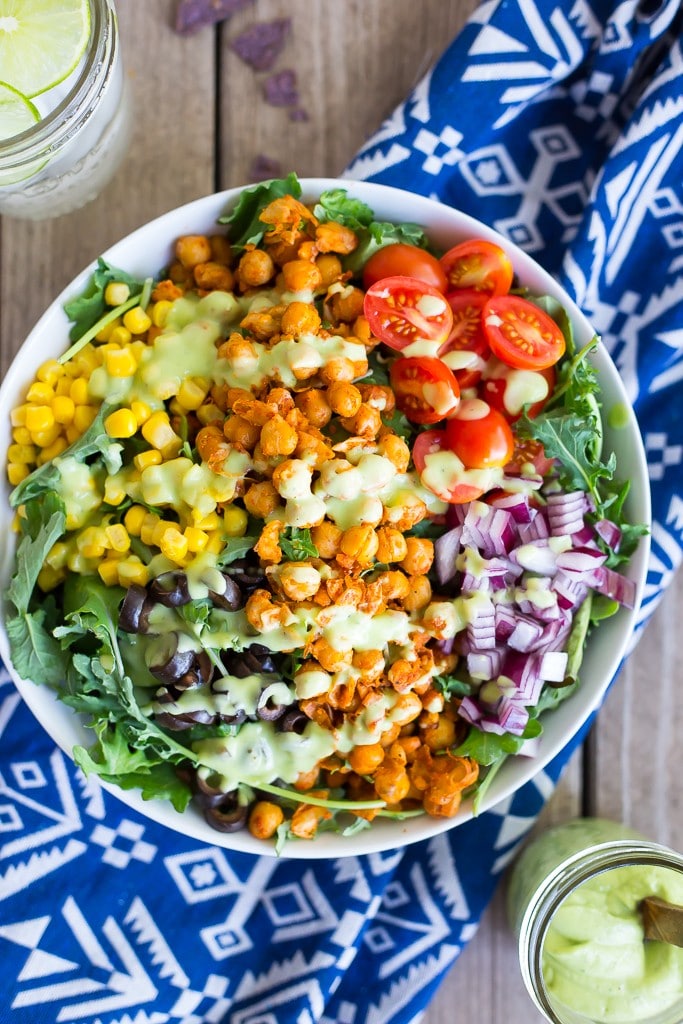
[[580, 560], [470, 710], [516, 504], [609, 532], [536, 529], [505, 621], [536, 556], [512, 716], [565, 512], [446, 551], [491, 530], [616, 586], [570, 590], [525, 634], [554, 666], [484, 665]]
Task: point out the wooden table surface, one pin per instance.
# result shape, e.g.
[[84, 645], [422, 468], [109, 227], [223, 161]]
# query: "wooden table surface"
[[200, 122]]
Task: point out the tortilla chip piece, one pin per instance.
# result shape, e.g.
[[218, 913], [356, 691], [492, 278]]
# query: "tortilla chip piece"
[[263, 167], [280, 89], [261, 44], [193, 15]]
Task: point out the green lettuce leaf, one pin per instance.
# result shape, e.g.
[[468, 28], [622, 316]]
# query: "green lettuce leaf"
[[86, 309], [244, 226]]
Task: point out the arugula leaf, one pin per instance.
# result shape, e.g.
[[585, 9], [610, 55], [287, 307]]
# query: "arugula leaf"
[[379, 373], [244, 225], [235, 548], [42, 525], [86, 309], [296, 544], [378, 234], [36, 655], [489, 747], [399, 424], [450, 687]]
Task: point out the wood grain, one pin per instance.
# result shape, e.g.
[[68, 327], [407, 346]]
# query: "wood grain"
[[200, 121]]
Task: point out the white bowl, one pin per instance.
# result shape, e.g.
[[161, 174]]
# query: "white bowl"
[[143, 253]]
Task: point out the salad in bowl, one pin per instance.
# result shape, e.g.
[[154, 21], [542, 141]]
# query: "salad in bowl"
[[318, 494]]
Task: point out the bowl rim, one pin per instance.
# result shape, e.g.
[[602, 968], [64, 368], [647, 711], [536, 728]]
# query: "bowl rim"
[[449, 223]]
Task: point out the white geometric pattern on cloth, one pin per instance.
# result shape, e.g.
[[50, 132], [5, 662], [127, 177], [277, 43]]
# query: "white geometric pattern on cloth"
[[189, 934]]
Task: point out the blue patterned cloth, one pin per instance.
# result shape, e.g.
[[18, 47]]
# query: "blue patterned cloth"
[[561, 125]]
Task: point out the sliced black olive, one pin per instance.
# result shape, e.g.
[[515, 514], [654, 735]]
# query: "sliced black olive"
[[241, 663], [169, 664], [170, 589], [268, 710], [200, 672], [249, 577], [294, 720], [227, 816], [185, 720], [231, 599], [131, 608]]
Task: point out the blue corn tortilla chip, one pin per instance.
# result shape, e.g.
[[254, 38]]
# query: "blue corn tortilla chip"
[[193, 15], [261, 44], [280, 89]]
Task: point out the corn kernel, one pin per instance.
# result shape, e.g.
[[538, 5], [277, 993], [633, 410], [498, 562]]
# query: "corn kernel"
[[77, 562], [160, 528], [58, 554], [21, 435], [141, 411], [151, 457], [235, 521], [158, 432], [116, 293], [117, 537], [196, 539], [191, 394], [79, 391], [109, 572], [209, 413], [121, 423], [120, 336], [133, 519], [72, 433], [136, 320], [174, 545], [46, 438], [208, 522], [120, 362], [83, 417], [21, 453], [50, 371], [131, 570], [40, 393], [63, 385], [87, 360], [16, 472], [39, 417], [63, 407], [49, 578], [51, 451], [104, 333], [215, 543], [18, 416], [114, 491], [91, 542], [149, 524], [160, 311]]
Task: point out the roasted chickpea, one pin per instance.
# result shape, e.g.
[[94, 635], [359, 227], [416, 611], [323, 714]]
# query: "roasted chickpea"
[[315, 406], [392, 546], [327, 537], [241, 432], [420, 593], [394, 448], [366, 759], [277, 437], [300, 318], [255, 268], [419, 556], [213, 276], [301, 275], [330, 269], [347, 304], [344, 398], [265, 819], [193, 249], [261, 499]]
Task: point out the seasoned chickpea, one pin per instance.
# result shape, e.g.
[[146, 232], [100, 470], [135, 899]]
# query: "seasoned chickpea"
[[391, 781], [360, 543], [299, 581], [261, 499], [277, 437], [420, 594], [440, 735], [366, 759], [300, 318], [329, 657], [370, 664], [344, 398], [281, 399], [327, 537], [193, 249], [378, 396], [367, 422], [419, 556], [335, 237], [330, 269], [305, 820], [221, 250], [255, 268], [265, 819], [241, 432], [392, 545], [347, 304], [394, 448], [339, 368], [213, 276], [301, 275], [315, 406], [263, 323]]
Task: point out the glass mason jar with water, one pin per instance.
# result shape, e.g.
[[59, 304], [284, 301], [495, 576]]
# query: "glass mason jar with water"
[[73, 134]]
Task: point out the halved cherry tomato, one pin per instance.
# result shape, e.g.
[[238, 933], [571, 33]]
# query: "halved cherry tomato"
[[478, 264], [511, 390], [479, 435], [521, 334], [401, 310], [426, 391], [453, 485], [401, 259], [467, 336], [529, 456]]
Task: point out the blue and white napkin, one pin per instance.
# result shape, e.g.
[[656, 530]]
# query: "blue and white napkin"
[[561, 125]]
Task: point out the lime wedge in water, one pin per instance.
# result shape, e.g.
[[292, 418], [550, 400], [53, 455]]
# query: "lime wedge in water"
[[17, 113], [41, 41]]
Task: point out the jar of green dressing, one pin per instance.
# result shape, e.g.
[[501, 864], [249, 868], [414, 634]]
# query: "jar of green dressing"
[[573, 903]]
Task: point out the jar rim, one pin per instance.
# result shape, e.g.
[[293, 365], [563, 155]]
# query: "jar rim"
[[564, 879], [59, 124]]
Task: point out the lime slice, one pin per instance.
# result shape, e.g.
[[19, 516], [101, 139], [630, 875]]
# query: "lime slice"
[[17, 113], [41, 41]]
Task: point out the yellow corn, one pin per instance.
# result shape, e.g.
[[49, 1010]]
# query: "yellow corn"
[[18, 416], [83, 417], [136, 320], [51, 451], [131, 570], [149, 524], [50, 371], [209, 413], [116, 293], [46, 438], [158, 432], [109, 572], [79, 391], [134, 518], [63, 385], [58, 554], [49, 578], [151, 457], [22, 453], [160, 528], [121, 423], [141, 411], [196, 539], [209, 522], [104, 334], [234, 521], [21, 435], [87, 360], [77, 562], [215, 543], [114, 491], [120, 336], [39, 417], [160, 311], [174, 544], [117, 536], [72, 433], [63, 408], [192, 393], [16, 472], [91, 542], [40, 393], [120, 362]]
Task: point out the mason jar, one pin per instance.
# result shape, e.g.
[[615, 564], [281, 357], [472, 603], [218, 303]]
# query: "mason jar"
[[66, 158], [580, 974]]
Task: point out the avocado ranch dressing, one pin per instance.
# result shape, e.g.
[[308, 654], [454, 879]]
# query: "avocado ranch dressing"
[[573, 899]]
